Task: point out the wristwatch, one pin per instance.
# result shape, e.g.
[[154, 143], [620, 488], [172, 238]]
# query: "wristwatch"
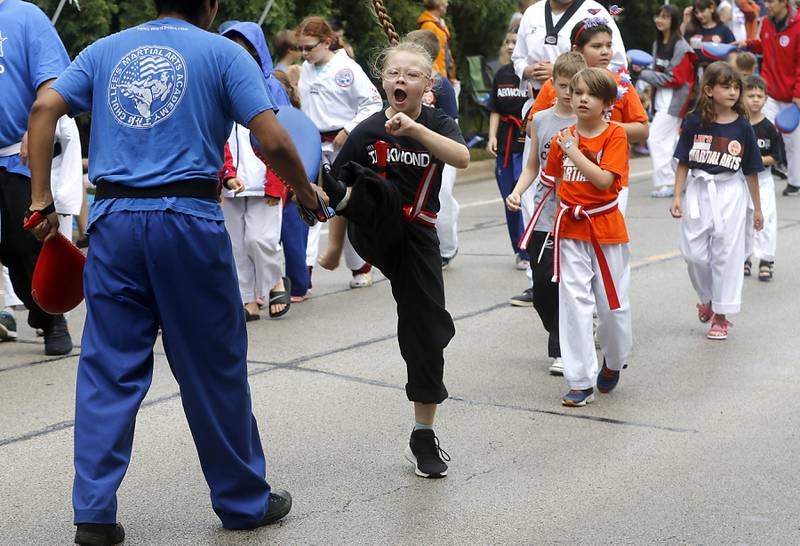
[[567, 145]]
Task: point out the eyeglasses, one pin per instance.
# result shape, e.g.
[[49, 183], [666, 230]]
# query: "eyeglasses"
[[412, 76], [307, 48]]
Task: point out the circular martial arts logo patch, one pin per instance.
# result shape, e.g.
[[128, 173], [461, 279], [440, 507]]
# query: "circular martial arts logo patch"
[[345, 77], [734, 148], [146, 86], [784, 41]]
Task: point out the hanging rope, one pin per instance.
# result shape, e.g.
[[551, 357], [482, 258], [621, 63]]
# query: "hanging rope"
[[385, 21]]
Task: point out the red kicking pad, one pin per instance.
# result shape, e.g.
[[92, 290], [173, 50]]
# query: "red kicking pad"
[[57, 285]]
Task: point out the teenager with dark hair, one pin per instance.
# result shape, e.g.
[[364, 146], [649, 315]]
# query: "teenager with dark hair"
[[701, 23], [672, 77]]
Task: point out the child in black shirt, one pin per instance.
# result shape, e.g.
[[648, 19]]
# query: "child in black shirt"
[[386, 182], [762, 244]]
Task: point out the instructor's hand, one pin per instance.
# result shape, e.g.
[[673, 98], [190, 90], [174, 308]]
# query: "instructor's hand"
[[47, 227]]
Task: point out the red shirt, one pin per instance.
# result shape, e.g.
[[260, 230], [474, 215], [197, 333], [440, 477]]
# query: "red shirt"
[[781, 65]]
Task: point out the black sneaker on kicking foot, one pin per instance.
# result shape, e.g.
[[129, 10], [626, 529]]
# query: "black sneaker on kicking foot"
[[57, 340], [424, 453], [335, 189], [99, 534]]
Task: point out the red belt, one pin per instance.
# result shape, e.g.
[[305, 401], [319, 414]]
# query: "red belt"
[[413, 213], [548, 183], [579, 212], [329, 136], [512, 122]]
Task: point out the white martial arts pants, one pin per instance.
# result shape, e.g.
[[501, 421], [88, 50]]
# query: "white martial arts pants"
[[580, 288], [715, 256], [622, 199], [791, 141], [255, 231], [447, 219], [761, 245], [661, 143]]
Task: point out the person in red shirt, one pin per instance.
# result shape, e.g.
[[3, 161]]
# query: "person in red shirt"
[[592, 39], [779, 43], [591, 262]]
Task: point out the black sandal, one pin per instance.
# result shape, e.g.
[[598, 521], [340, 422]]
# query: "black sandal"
[[747, 267], [281, 297], [250, 317], [765, 271]]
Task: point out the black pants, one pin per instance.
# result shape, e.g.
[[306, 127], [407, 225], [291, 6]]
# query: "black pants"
[[19, 250], [545, 291], [408, 254]]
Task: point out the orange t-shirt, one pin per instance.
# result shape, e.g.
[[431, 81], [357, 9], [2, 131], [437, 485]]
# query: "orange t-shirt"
[[608, 150], [628, 109]]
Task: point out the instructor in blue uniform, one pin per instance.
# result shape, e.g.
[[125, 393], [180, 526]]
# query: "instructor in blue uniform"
[[163, 97]]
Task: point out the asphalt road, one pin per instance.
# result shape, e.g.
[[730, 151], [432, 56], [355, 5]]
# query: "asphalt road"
[[699, 444]]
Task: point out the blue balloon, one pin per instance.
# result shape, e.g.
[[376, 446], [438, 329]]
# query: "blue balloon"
[[639, 57], [304, 135], [718, 51], [788, 119]]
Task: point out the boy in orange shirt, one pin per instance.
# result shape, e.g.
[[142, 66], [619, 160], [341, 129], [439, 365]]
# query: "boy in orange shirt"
[[592, 39], [589, 162]]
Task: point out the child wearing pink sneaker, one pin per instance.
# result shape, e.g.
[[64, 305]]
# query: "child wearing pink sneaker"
[[717, 151]]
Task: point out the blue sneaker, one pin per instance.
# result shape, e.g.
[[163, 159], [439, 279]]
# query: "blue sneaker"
[[578, 398], [607, 379], [8, 327]]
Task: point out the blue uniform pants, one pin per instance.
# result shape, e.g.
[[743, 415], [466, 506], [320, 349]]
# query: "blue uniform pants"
[[294, 236], [506, 180], [176, 271]]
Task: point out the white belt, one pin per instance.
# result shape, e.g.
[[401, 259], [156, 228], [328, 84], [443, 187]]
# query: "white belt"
[[700, 176], [11, 150]]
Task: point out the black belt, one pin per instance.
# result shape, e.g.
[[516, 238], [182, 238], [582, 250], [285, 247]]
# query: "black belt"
[[199, 188]]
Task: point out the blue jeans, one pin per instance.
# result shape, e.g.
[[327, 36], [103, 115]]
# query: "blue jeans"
[[506, 180]]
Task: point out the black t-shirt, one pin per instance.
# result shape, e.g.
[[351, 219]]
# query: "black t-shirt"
[[720, 147], [719, 34], [768, 140], [507, 99], [408, 161]]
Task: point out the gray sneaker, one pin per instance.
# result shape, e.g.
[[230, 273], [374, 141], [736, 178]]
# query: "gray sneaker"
[[8, 326], [523, 300]]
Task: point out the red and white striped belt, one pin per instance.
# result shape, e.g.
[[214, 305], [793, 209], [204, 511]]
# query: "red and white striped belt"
[[550, 184], [579, 212]]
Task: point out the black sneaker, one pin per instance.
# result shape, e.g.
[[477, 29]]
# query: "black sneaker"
[[8, 327], [779, 172], [99, 534], [424, 453], [56, 338], [334, 188], [791, 191], [280, 504], [523, 300]]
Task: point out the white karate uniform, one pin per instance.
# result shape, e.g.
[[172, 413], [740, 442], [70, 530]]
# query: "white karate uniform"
[[761, 245], [713, 237], [338, 96], [254, 226], [580, 292], [447, 218], [791, 141], [663, 138], [531, 47]]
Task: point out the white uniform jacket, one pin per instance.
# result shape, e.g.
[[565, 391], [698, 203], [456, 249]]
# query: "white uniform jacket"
[[340, 96], [531, 47]]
